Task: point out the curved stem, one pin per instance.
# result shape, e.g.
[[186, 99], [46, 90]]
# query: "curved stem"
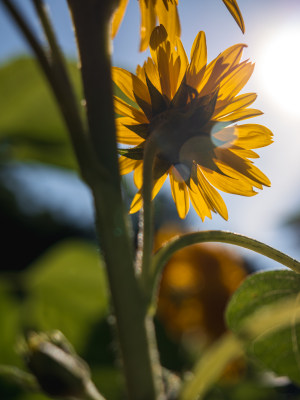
[[179, 242]]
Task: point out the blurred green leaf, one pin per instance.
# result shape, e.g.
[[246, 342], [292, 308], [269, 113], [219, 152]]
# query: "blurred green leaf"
[[66, 291], [31, 127], [277, 349]]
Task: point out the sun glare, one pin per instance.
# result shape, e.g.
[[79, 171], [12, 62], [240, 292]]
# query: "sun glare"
[[280, 69]]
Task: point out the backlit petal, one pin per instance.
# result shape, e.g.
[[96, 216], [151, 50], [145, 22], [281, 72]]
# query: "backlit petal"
[[211, 196], [118, 17], [235, 12], [225, 107], [125, 135], [147, 22], [127, 165], [180, 195], [123, 108], [227, 184], [130, 84], [253, 136], [240, 115], [169, 18]]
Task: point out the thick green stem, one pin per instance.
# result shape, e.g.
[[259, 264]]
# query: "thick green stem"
[[91, 22], [169, 248]]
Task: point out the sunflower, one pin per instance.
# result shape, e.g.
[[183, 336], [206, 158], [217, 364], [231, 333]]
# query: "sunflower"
[[165, 11], [194, 107]]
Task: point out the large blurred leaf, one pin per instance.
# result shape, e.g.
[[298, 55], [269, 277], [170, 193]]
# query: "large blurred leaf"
[[31, 127], [278, 350], [67, 291]]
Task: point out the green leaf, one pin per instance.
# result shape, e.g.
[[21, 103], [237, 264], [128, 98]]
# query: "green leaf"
[[67, 291], [276, 349], [31, 127]]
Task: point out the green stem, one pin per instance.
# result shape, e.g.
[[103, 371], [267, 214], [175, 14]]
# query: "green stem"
[[91, 22], [177, 243]]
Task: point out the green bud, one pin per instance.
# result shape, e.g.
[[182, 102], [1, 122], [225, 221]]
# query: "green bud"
[[58, 370]]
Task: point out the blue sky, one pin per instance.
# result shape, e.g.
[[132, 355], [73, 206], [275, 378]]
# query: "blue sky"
[[265, 21]]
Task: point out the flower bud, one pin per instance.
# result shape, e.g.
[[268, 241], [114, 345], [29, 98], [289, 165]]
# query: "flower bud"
[[58, 370]]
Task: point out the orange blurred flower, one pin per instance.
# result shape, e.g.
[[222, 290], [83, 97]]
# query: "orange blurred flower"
[[195, 287]]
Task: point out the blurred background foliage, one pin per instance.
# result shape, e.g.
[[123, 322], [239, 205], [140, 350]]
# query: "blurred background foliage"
[[52, 276]]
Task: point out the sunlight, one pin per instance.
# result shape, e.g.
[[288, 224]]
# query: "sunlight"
[[279, 69]]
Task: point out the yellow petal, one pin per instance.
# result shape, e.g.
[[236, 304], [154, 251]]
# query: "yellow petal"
[[163, 68], [244, 153], [234, 166], [117, 17], [138, 176], [227, 184], [212, 197], [180, 196], [150, 69], [235, 80], [130, 84], [198, 201], [158, 184], [240, 115], [217, 68], [148, 20], [127, 165], [234, 10], [124, 134], [198, 53], [136, 203], [183, 60], [242, 101], [123, 108], [197, 66], [168, 17], [253, 136]]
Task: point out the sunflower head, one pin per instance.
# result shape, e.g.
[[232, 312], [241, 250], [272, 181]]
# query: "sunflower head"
[[192, 109]]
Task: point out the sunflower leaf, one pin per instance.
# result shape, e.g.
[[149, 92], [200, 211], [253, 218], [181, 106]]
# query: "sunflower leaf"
[[278, 350]]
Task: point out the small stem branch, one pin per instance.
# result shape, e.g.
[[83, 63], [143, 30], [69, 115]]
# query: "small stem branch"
[[30, 37], [179, 242], [54, 69], [56, 54]]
